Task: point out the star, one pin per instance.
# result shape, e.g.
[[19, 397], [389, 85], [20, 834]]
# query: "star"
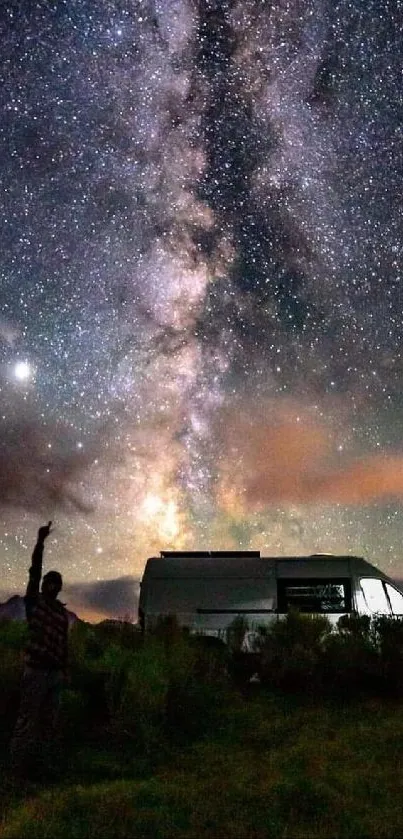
[[22, 371]]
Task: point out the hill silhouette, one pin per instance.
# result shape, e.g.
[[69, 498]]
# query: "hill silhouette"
[[14, 609]]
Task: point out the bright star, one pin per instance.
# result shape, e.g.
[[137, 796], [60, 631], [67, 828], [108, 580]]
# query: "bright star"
[[23, 371]]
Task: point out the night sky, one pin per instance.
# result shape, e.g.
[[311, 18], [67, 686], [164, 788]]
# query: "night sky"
[[200, 284]]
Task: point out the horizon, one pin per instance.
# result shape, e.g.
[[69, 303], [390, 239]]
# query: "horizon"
[[105, 601]]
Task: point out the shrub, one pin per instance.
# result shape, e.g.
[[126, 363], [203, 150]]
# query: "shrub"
[[291, 652], [351, 658], [87, 674], [198, 686], [168, 630], [140, 704], [122, 633], [13, 635], [168, 685], [358, 625], [85, 646], [74, 713], [211, 656], [236, 633], [389, 638]]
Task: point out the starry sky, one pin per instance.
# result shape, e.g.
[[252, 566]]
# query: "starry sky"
[[200, 284]]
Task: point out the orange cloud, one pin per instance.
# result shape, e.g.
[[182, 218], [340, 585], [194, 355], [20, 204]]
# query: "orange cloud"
[[364, 480], [286, 454]]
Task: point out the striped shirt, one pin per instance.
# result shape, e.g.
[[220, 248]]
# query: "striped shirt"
[[47, 622]]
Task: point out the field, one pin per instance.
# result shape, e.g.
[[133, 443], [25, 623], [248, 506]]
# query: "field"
[[167, 738]]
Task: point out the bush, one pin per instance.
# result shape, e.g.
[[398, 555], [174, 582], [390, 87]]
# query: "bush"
[[291, 652], [170, 687], [140, 704], [13, 636], [122, 633], [389, 638], [167, 686], [74, 713], [198, 686], [236, 633], [88, 675], [351, 659]]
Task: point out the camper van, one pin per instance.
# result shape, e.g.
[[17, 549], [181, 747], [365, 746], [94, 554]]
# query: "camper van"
[[206, 591]]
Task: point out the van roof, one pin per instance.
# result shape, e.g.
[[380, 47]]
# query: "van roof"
[[211, 554], [242, 565]]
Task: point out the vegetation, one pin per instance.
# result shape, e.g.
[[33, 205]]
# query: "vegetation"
[[167, 736]]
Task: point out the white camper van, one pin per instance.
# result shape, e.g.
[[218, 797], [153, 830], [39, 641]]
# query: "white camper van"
[[206, 591]]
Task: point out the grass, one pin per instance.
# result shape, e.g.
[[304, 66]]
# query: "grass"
[[159, 742], [275, 768]]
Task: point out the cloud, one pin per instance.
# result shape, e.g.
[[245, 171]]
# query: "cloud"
[[40, 466], [108, 598], [364, 480], [285, 454]]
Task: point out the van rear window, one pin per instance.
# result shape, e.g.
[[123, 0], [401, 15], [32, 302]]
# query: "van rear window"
[[315, 596]]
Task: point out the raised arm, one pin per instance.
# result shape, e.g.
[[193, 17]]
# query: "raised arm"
[[35, 571]]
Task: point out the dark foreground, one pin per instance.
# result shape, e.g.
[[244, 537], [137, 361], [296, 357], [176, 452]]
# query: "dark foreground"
[[184, 751]]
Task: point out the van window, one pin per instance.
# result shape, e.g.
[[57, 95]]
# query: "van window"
[[375, 596], [316, 596], [396, 599]]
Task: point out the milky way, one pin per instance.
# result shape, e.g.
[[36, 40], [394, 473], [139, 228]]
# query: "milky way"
[[201, 315]]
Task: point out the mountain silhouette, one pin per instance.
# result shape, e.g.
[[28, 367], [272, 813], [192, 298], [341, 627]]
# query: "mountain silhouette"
[[14, 609]]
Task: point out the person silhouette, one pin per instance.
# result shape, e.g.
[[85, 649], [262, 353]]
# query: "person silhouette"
[[45, 665]]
